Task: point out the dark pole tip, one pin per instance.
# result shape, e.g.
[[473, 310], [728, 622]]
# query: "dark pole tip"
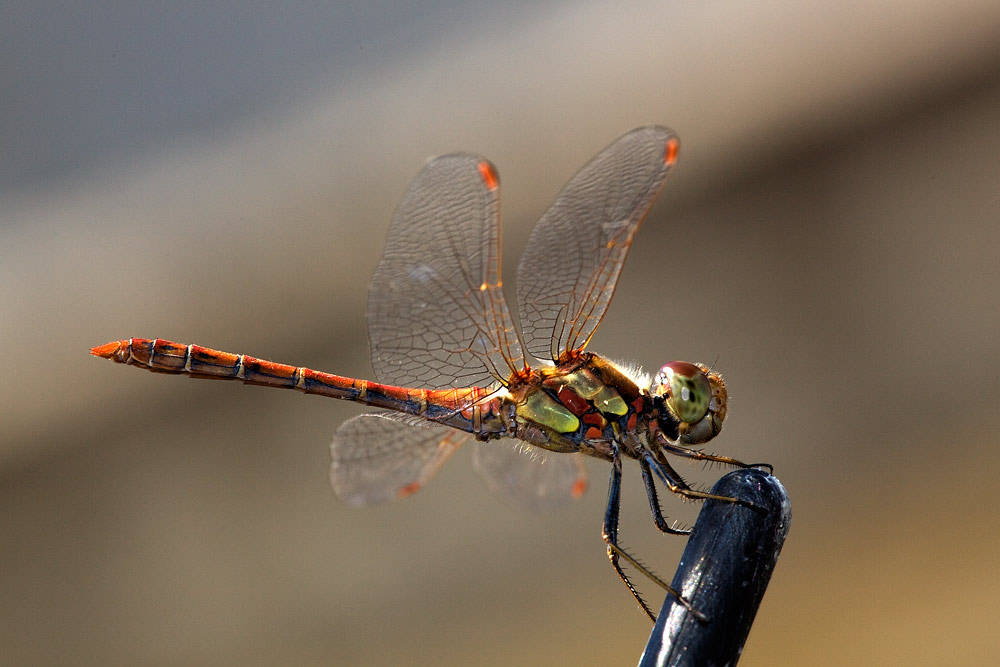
[[723, 573]]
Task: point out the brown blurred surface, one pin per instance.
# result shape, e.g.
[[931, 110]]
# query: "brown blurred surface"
[[829, 241]]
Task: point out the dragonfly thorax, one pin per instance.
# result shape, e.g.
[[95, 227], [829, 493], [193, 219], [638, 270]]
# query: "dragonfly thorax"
[[576, 404]]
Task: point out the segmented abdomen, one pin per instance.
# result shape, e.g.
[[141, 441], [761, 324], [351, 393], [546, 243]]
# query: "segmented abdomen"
[[466, 408]]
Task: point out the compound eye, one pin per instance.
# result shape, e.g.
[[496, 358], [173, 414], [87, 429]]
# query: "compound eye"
[[686, 390]]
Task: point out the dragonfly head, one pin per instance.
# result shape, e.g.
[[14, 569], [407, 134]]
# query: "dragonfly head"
[[695, 397]]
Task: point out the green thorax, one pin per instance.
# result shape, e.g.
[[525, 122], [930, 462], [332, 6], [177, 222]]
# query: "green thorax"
[[577, 400]]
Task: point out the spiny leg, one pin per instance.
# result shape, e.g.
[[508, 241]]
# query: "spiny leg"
[[676, 483], [654, 502], [702, 456], [610, 530], [610, 536]]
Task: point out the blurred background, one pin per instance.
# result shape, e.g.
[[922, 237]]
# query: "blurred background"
[[224, 175]]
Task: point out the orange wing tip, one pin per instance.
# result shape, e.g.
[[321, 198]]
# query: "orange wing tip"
[[408, 490], [488, 173], [108, 350], [670, 155]]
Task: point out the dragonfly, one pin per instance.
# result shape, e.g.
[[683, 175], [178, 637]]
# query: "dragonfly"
[[451, 367]]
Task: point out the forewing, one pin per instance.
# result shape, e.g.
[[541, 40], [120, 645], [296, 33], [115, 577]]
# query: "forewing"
[[569, 270], [528, 477], [437, 317], [382, 456]]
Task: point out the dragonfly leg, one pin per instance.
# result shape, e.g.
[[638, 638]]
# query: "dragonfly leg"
[[677, 485], [654, 502], [615, 552], [702, 456]]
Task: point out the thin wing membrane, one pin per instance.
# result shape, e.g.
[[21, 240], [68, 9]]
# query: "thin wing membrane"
[[569, 270], [381, 456], [437, 317], [527, 477]]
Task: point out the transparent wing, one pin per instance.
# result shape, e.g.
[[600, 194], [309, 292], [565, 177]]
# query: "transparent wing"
[[437, 317], [569, 270], [382, 456], [528, 477]]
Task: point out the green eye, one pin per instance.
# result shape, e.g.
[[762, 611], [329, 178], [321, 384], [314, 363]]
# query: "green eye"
[[686, 389]]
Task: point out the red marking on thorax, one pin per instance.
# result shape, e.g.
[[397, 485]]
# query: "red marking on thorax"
[[575, 403], [633, 419]]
